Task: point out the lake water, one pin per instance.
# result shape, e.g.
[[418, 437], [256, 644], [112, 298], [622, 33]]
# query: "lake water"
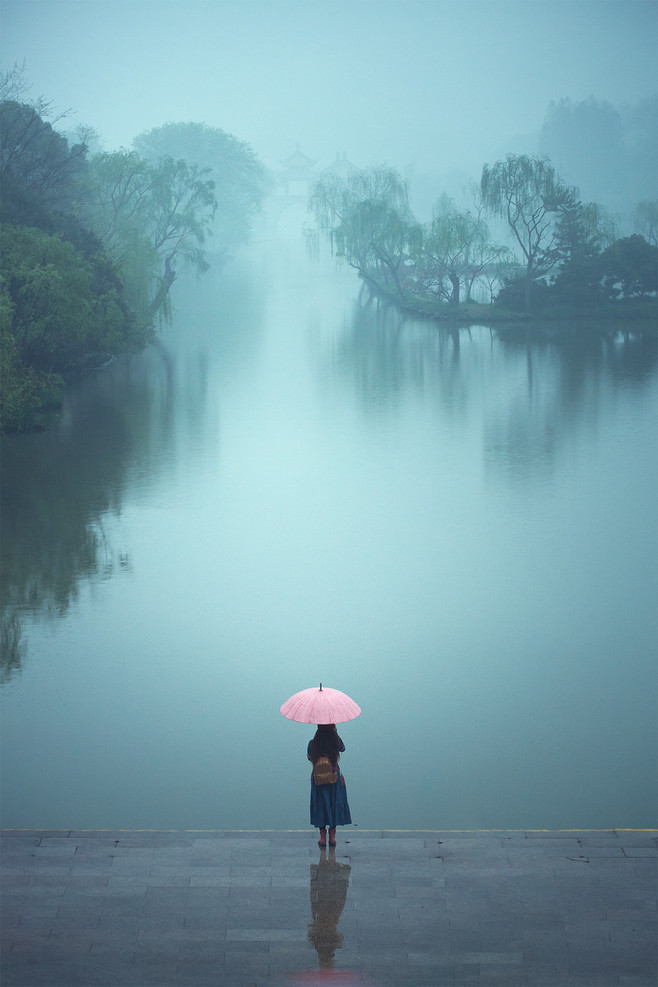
[[296, 486]]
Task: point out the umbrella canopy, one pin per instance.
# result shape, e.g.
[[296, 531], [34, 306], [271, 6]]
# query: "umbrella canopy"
[[320, 706]]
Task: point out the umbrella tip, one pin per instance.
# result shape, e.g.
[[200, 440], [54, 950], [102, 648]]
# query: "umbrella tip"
[[320, 686]]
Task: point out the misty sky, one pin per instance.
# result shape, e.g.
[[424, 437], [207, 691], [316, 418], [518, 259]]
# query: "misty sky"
[[438, 84]]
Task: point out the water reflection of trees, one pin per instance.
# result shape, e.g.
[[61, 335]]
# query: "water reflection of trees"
[[567, 381], [60, 489], [126, 427], [535, 386], [386, 353]]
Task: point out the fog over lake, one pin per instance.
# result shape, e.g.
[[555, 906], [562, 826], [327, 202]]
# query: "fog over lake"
[[431, 87], [296, 483], [296, 487]]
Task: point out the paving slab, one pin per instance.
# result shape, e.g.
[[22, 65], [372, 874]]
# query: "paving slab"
[[382, 909]]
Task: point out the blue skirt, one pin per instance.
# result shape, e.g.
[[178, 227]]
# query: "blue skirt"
[[329, 806]]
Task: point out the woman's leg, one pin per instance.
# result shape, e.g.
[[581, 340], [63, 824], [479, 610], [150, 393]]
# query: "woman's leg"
[[332, 836], [323, 838]]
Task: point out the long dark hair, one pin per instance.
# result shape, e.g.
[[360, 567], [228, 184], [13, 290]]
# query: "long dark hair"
[[326, 741]]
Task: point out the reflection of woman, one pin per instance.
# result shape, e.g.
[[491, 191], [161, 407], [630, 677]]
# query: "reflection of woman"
[[329, 883], [329, 807]]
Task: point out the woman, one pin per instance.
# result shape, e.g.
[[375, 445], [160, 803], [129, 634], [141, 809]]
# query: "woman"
[[329, 806]]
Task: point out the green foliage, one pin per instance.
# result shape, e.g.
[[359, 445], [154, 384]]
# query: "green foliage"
[[181, 209], [512, 294], [117, 202], [645, 219], [367, 220], [334, 199], [152, 219], [41, 174], [90, 249], [63, 305], [570, 257], [63, 315], [43, 179], [454, 250], [239, 178], [60, 312], [583, 230], [28, 398], [630, 268], [528, 194], [626, 272]]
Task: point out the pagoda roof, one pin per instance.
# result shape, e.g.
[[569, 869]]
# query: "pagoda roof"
[[341, 165], [298, 160]]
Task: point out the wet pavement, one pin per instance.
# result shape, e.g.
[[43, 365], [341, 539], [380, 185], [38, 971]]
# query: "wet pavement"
[[270, 909]]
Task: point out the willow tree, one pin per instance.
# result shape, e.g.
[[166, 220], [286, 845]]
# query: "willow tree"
[[152, 219], [455, 249], [645, 220], [527, 193], [182, 207], [240, 179], [368, 222]]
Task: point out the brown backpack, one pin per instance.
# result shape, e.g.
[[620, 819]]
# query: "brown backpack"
[[324, 772]]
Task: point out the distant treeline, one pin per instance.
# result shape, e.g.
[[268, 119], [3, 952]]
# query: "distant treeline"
[[564, 259], [91, 243]]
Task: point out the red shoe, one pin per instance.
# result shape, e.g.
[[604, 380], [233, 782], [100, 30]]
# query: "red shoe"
[[332, 837], [322, 842]]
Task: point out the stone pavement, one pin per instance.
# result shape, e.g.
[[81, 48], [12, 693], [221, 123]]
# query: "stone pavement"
[[259, 909]]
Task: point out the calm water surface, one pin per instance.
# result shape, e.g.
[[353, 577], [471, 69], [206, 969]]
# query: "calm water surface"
[[294, 486]]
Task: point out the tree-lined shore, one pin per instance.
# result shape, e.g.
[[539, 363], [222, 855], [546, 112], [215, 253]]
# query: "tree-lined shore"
[[92, 241], [564, 260]]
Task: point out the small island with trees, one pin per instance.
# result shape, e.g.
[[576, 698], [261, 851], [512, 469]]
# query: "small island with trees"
[[567, 263], [92, 241]]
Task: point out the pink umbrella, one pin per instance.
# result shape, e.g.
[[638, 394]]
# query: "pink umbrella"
[[320, 706]]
